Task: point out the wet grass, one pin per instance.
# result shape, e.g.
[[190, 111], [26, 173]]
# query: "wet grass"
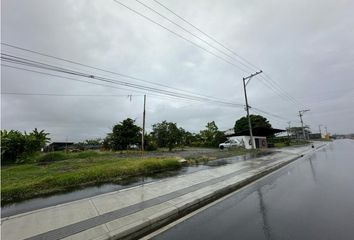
[[50, 173], [19, 182], [58, 156]]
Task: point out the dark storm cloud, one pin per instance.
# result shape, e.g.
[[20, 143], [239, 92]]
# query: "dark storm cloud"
[[306, 46]]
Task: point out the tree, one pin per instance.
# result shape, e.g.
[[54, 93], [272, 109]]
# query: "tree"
[[36, 140], [123, 134], [12, 145], [186, 137], [150, 143], [166, 134], [15, 146], [211, 136], [256, 121]]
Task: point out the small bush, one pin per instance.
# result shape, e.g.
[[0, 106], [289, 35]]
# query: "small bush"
[[86, 154], [17, 147], [52, 156], [151, 146]]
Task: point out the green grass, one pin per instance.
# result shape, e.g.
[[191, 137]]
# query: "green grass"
[[58, 156], [281, 145], [293, 143], [323, 140], [26, 181]]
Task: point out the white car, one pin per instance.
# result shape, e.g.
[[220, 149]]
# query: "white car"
[[229, 143]]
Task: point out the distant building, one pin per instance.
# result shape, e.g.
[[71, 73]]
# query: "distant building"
[[259, 137]]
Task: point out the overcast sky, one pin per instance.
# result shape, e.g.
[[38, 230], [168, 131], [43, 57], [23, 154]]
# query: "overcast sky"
[[305, 46]]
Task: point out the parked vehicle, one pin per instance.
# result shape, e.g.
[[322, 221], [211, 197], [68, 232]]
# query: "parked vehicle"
[[229, 143], [133, 147]]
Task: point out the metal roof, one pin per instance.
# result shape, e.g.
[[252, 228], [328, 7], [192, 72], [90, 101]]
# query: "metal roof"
[[257, 131]]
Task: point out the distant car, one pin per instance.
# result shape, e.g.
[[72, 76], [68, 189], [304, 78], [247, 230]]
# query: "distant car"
[[229, 144], [133, 147]]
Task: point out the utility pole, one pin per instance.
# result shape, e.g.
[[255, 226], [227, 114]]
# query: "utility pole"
[[319, 128], [142, 136], [247, 106], [301, 112], [66, 145]]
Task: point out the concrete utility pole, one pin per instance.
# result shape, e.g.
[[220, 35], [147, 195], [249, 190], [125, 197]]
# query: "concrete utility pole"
[[319, 129], [142, 136], [301, 112], [66, 145], [247, 106]]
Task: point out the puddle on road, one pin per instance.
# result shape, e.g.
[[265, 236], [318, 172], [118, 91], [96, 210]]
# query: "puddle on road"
[[76, 194]]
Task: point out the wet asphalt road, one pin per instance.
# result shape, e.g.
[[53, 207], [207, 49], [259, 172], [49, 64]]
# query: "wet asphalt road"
[[312, 198]]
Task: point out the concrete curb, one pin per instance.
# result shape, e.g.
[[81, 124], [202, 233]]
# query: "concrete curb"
[[158, 222]]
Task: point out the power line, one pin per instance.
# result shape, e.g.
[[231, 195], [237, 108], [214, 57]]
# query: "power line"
[[207, 35], [271, 82], [268, 113], [31, 63], [125, 75], [281, 89], [92, 95], [96, 68], [274, 84], [194, 35], [179, 35], [41, 65], [269, 85], [59, 76], [66, 95], [168, 93], [105, 85]]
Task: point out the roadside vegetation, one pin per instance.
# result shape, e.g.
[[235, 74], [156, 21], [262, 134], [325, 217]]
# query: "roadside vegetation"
[[285, 142], [29, 172], [37, 179]]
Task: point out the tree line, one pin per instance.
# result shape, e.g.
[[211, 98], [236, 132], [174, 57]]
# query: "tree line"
[[164, 135], [17, 147]]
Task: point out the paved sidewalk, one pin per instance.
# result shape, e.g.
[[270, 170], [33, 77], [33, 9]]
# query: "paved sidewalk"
[[131, 212]]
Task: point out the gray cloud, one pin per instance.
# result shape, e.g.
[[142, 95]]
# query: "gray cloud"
[[306, 46]]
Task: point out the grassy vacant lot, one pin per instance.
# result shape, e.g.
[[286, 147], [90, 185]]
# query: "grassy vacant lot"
[[56, 172], [49, 173]]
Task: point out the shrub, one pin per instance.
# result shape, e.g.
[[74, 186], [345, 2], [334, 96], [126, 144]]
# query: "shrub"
[[52, 156], [17, 147], [85, 154], [151, 146]]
